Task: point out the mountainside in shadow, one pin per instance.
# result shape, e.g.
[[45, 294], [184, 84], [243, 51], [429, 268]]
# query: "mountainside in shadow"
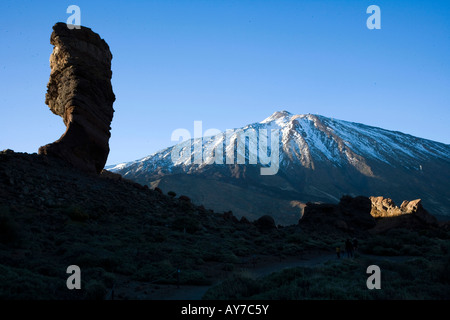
[[320, 159]]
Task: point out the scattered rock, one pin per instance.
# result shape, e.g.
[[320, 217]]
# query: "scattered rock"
[[110, 175], [185, 198], [171, 194]]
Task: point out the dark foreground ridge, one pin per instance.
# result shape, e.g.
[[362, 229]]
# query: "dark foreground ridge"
[[125, 236]]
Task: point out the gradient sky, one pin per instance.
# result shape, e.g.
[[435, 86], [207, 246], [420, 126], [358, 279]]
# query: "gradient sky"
[[231, 63]]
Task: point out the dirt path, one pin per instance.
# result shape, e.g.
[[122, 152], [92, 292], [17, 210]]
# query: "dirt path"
[[261, 269]]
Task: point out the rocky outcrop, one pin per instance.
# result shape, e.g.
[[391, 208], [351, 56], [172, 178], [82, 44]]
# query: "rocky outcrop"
[[362, 214], [265, 223], [355, 210], [386, 208], [80, 92], [228, 215], [415, 207], [350, 215]]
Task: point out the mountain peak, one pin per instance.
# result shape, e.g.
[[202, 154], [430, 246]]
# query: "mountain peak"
[[285, 116], [319, 158], [277, 115]]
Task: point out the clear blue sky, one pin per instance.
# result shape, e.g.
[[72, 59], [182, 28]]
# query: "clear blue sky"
[[230, 63]]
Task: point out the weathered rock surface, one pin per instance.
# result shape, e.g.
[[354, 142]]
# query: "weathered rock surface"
[[80, 92], [386, 208], [361, 214], [410, 215]]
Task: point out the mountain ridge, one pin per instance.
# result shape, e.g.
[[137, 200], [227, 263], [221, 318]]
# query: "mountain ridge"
[[320, 159]]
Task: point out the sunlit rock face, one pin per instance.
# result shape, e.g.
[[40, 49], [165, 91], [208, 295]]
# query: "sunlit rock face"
[[386, 208]]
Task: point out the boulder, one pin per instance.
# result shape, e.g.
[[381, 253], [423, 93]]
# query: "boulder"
[[80, 91], [185, 198], [265, 222], [110, 175], [158, 190]]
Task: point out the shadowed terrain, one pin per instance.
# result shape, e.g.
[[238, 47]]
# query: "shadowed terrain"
[[125, 236]]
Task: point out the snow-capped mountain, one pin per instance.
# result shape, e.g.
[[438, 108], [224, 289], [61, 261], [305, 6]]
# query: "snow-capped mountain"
[[311, 157]]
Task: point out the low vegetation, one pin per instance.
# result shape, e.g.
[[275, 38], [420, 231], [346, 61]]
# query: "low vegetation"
[[414, 265], [125, 236]]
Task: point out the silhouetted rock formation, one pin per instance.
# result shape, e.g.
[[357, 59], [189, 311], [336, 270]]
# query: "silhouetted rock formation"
[[355, 210], [244, 220], [228, 215], [265, 223], [415, 207], [350, 215], [80, 92]]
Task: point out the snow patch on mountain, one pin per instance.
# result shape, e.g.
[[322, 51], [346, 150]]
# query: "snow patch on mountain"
[[304, 139]]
